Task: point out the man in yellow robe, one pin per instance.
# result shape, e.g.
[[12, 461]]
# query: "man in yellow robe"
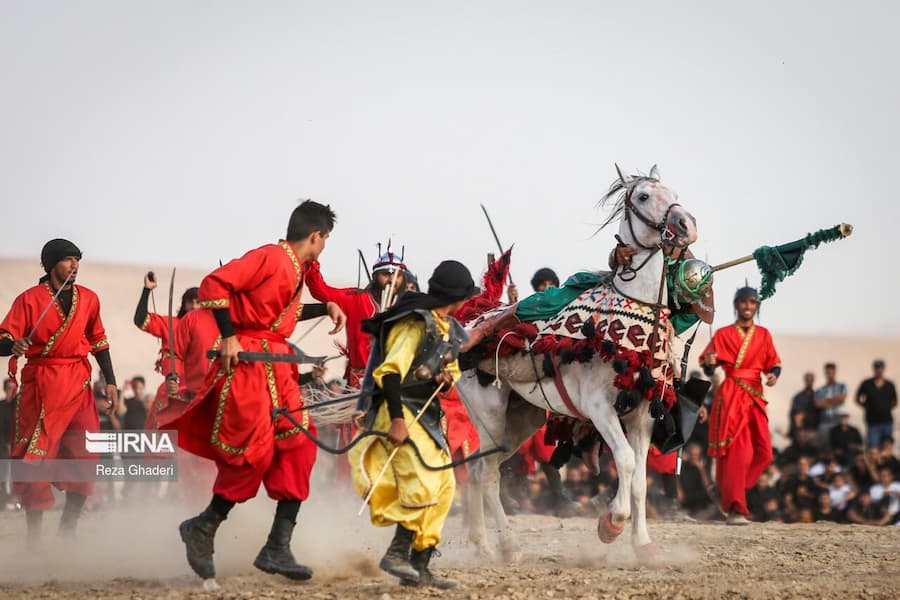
[[415, 349]]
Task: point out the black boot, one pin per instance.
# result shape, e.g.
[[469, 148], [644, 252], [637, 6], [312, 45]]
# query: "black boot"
[[396, 560], [71, 512], [563, 505], [276, 557], [34, 520], [198, 534], [420, 560]]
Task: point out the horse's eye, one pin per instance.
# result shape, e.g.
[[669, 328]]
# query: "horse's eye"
[[644, 197]]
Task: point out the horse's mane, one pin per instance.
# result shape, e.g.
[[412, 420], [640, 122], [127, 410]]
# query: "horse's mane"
[[614, 199]]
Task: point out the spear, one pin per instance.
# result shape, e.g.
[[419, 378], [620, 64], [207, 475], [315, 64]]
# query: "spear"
[[775, 263]]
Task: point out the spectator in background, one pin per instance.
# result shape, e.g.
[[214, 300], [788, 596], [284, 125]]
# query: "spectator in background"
[[828, 398], [6, 428], [694, 481], [841, 492], [825, 511], [844, 439], [863, 471], [801, 488], [887, 458], [887, 491], [763, 500], [805, 445], [863, 511], [804, 414], [137, 406], [878, 397]]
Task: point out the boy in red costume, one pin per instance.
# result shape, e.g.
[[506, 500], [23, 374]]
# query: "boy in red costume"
[[256, 304]]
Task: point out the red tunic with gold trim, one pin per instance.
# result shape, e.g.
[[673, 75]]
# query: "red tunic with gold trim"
[[197, 333], [358, 305], [57, 375], [744, 356], [158, 326], [230, 421]]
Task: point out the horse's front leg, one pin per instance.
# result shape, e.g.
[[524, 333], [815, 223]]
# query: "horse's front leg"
[[607, 423], [640, 428]]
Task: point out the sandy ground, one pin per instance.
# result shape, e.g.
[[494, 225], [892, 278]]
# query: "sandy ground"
[[137, 555]]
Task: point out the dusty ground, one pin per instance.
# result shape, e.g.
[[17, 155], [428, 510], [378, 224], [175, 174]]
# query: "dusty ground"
[[562, 559]]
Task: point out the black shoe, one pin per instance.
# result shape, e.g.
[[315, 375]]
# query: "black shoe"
[[71, 512], [420, 560], [276, 556], [198, 534], [396, 560], [34, 520]]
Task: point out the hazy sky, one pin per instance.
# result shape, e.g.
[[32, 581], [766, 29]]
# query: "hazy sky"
[[165, 133]]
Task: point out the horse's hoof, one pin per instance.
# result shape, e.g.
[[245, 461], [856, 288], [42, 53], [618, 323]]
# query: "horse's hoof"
[[510, 551], [648, 551], [484, 553], [609, 531], [511, 554]]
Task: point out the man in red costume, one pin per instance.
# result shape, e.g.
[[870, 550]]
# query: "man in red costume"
[[55, 324], [158, 326], [256, 304], [738, 425], [359, 304]]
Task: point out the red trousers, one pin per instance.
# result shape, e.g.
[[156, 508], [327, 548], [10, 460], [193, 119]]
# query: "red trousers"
[[745, 460], [37, 495], [284, 472]]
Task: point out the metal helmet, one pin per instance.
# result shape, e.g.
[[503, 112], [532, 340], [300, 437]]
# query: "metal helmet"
[[692, 280], [389, 262]]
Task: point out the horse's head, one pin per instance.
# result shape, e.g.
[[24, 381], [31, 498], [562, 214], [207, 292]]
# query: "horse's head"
[[651, 214]]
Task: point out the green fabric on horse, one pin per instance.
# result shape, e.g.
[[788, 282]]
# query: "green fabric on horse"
[[545, 305], [775, 263]]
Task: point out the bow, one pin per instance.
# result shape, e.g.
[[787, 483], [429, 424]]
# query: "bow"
[[382, 434]]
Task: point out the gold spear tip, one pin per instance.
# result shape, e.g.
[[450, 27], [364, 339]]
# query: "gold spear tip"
[[846, 229]]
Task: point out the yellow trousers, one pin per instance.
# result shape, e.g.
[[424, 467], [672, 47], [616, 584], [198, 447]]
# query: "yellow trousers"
[[408, 494]]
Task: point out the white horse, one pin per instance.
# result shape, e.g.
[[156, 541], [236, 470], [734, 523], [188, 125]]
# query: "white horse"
[[651, 219]]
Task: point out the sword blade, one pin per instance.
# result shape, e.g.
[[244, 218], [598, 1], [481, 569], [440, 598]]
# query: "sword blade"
[[49, 304], [494, 232], [171, 325], [272, 357]]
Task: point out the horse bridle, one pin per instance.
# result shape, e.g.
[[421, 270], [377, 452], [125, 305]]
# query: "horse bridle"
[[666, 234]]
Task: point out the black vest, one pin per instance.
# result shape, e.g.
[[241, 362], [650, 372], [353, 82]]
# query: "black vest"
[[433, 354]]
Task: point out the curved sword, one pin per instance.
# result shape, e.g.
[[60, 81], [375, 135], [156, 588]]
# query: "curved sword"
[[173, 373]]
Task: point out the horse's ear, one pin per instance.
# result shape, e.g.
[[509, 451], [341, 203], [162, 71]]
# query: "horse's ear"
[[622, 177], [654, 173]]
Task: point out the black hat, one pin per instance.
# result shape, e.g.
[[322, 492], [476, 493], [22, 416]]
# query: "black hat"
[[189, 294], [746, 293], [544, 275], [451, 282], [56, 250]]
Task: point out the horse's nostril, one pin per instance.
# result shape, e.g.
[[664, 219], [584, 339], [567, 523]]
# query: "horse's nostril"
[[682, 223]]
